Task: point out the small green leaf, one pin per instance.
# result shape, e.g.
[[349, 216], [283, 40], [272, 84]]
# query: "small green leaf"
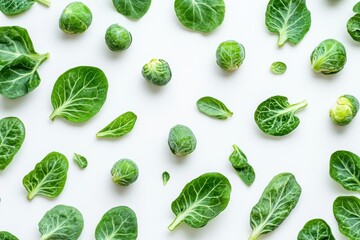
[[356, 8], [316, 229], [347, 214], [213, 108], [81, 161], [7, 236], [119, 127], [278, 68], [134, 9], [240, 164], [165, 177]]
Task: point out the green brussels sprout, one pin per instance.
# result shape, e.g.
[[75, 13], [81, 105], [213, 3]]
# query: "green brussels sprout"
[[157, 71], [118, 38], [76, 18], [353, 27], [124, 172], [344, 110], [181, 140], [230, 55], [328, 57]]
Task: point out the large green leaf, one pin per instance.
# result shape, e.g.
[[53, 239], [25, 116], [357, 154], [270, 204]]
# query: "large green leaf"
[[276, 203], [316, 229], [347, 213], [289, 18], [134, 9], [12, 135], [13, 7], [79, 94], [201, 200]]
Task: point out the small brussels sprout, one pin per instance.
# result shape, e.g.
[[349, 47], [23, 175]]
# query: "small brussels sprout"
[[278, 68], [76, 18], [157, 71], [181, 140], [118, 38], [124, 172], [353, 27], [328, 57], [344, 110], [230, 55]]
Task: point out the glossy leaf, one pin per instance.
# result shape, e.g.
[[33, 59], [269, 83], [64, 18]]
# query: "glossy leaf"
[[345, 169], [80, 160], [13, 7], [79, 94], [119, 223], [213, 108], [201, 200], [165, 177], [12, 135], [119, 127], [200, 15], [316, 229], [276, 116], [289, 18], [61, 222], [48, 178], [278, 68], [347, 214], [276, 203], [18, 62], [7, 236], [240, 163], [134, 9]]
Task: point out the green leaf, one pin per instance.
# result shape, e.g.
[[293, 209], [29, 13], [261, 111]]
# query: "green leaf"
[[345, 169], [7, 236], [48, 178], [13, 7], [165, 177], [61, 222], [275, 116], [119, 127], [119, 223], [12, 135], [289, 18], [356, 8], [201, 200], [316, 229], [213, 108], [18, 62], [276, 203], [353, 26], [79, 94], [240, 164], [347, 213], [134, 9], [81, 161], [200, 15], [278, 68]]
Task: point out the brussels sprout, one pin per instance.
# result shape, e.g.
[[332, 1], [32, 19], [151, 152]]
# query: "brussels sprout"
[[328, 57], [353, 27], [118, 38], [230, 55], [76, 18], [344, 110], [181, 140], [157, 71], [124, 172]]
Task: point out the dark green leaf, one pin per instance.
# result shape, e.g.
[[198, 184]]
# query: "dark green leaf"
[[347, 213], [240, 164], [13, 7], [7, 236], [353, 27], [119, 127], [165, 177], [316, 229], [134, 9], [213, 108]]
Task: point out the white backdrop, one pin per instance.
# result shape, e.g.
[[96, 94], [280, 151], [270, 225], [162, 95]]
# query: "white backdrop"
[[305, 152]]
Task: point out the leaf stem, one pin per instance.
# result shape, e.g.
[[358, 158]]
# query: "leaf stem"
[[299, 105], [254, 235], [31, 195], [44, 2], [175, 223], [282, 38], [53, 115]]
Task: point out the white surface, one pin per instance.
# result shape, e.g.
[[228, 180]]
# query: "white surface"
[[305, 152]]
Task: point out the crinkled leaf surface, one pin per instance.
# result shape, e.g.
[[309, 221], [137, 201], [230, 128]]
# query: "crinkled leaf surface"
[[7, 236], [289, 18], [346, 210], [80, 160], [134, 9], [213, 107], [119, 127], [165, 177], [316, 229], [240, 163], [13, 7], [12, 135]]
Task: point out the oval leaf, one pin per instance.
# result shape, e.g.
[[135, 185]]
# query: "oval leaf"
[[119, 127], [213, 108], [7, 236], [134, 9], [240, 163], [80, 160], [347, 213], [165, 177], [13, 7], [316, 229]]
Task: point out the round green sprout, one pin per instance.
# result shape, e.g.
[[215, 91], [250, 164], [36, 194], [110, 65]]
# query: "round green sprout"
[[353, 27], [76, 18], [230, 55], [328, 57], [118, 38], [181, 140], [124, 172], [344, 110], [157, 71], [278, 68]]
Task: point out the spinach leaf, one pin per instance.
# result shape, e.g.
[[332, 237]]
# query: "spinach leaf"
[[240, 164], [119, 127], [213, 108], [275, 116], [316, 229], [345, 169], [7, 236], [276, 203], [13, 7], [80, 160], [79, 94], [119, 223], [48, 178], [134, 9], [12, 135], [201, 200], [289, 18], [165, 177], [18, 62], [200, 15], [356, 8], [346, 210], [61, 222]]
